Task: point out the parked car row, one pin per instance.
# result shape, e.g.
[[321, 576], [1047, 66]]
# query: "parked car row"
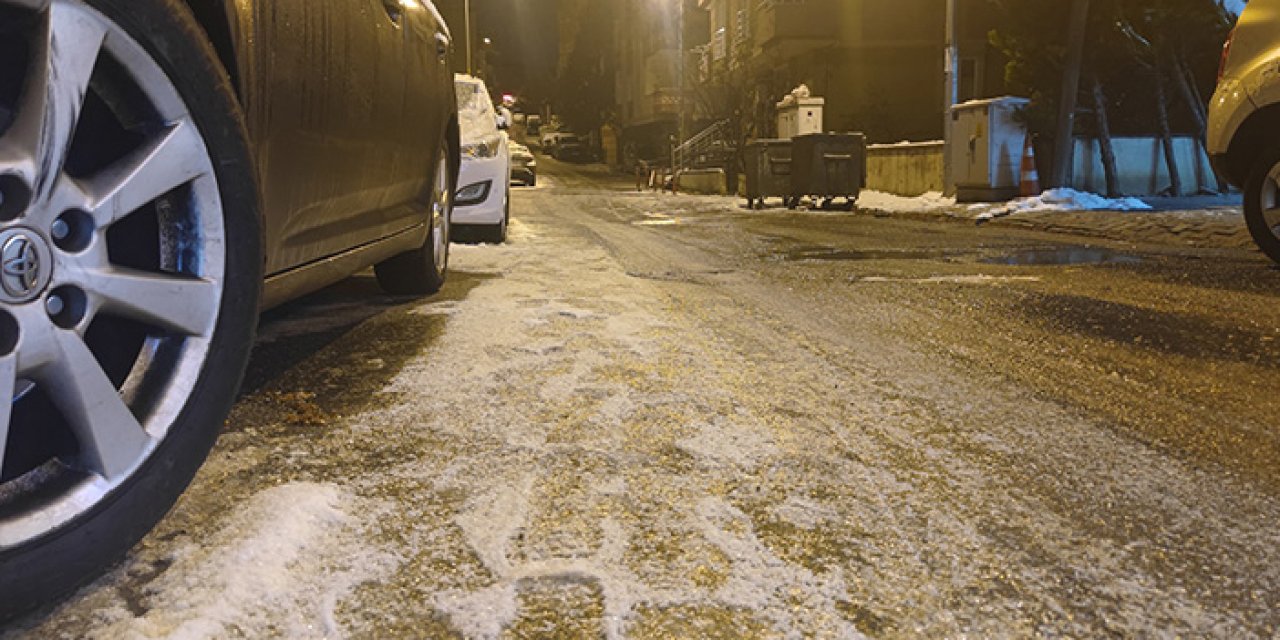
[[524, 166], [157, 192]]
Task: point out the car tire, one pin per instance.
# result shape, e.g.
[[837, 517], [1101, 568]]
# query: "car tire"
[[423, 271], [194, 374], [497, 233], [1262, 203]]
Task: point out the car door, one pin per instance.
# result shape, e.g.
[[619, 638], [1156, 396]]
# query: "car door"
[[332, 79], [428, 107]]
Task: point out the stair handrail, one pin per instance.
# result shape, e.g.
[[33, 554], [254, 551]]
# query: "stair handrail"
[[698, 144]]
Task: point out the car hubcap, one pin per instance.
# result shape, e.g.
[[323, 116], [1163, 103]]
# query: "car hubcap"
[[26, 265], [1270, 201], [111, 261]]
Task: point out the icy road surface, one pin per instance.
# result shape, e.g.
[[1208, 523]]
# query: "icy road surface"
[[665, 417]]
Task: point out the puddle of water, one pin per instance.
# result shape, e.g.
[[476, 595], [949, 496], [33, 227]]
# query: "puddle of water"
[[653, 219], [832, 254], [966, 279], [1064, 256]]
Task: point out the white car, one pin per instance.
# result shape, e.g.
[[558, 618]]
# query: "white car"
[[1244, 120], [483, 198], [551, 139]]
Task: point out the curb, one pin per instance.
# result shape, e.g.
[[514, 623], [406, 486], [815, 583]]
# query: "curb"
[[1198, 229]]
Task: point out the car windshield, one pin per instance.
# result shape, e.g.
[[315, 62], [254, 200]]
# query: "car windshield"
[[475, 111]]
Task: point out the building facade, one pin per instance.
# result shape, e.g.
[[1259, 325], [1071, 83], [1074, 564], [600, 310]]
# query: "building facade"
[[648, 72], [879, 65]]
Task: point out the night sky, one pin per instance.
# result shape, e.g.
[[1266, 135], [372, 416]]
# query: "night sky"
[[524, 34]]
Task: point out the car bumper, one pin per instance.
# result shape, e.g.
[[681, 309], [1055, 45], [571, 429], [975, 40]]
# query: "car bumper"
[[1229, 108], [493, 172], [524, 175]]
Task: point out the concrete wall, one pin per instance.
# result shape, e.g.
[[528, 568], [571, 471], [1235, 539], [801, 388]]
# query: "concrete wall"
[[916, 168], [905, 169], [704, 181], [1141, 166]]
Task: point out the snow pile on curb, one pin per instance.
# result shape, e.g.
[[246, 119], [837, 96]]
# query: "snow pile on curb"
[[882, 201], [1060, 200]]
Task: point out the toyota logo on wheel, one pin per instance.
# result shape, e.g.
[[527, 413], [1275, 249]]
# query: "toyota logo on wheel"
[[19, 266]]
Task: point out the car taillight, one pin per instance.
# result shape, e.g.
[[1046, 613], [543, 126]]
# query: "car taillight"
[[1226, 53]]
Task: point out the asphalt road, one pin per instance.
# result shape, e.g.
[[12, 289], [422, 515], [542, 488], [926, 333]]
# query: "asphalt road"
[[656, 416]]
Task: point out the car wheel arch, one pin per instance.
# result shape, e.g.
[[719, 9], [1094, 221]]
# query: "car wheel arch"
[[215, 19], [1255, 135], [454, 133]]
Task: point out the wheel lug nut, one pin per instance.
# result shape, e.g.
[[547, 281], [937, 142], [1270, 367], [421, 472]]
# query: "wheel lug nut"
[[55, 305], [67, 306], [72, 231], [60, 229]]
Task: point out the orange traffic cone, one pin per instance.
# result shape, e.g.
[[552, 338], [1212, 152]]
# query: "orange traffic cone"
[[1030, 185]]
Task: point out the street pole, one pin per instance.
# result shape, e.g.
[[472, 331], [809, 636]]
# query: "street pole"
[[1063, 142], [682, 134], [951, 95], [466, 12]]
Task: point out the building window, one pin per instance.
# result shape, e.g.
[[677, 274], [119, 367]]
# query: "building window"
[[719, 46], [970, 84], [742, 28]]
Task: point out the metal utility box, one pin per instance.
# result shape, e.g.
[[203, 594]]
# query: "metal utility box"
[[828, 166], [800, 116], [986, 149], [768, 164]]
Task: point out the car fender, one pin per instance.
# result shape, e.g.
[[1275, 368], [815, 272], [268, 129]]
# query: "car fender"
[[1230, 107]]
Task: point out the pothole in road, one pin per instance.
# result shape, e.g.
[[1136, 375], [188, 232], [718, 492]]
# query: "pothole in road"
[[1064, 256]]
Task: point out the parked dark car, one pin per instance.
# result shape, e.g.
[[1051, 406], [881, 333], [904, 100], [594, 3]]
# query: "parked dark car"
[[167, 169], [524, 166], [573, 150]]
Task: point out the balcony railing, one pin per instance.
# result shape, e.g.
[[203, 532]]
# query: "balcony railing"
[[797, 20]]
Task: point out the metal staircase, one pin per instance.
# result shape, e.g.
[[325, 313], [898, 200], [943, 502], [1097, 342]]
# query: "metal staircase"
[[712, 147]]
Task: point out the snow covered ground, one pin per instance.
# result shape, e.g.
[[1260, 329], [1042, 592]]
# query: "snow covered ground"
[[605, 429], [1058, 200], [1053, 200]]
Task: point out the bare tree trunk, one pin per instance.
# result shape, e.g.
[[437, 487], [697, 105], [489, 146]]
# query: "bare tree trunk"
[[1064, 140], [1179, 72], [1104, 139], [1166, 137], [1198, 109]]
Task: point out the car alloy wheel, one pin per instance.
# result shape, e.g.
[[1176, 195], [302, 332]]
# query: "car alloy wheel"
[[124, 283], [441, 210], [424, 270], [1262, 204]]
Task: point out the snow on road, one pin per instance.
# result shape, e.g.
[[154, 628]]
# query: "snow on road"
[[603, 433]]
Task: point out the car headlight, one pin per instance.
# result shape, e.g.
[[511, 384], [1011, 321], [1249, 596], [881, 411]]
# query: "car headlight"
[[472, 194], [487, 148], [478, 150]]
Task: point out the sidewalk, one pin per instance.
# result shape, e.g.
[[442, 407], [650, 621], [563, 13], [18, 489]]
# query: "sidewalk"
[[1211, 222]]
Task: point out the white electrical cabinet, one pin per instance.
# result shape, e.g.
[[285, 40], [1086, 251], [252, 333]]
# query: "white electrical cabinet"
[[800, 116], [986, 149]]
